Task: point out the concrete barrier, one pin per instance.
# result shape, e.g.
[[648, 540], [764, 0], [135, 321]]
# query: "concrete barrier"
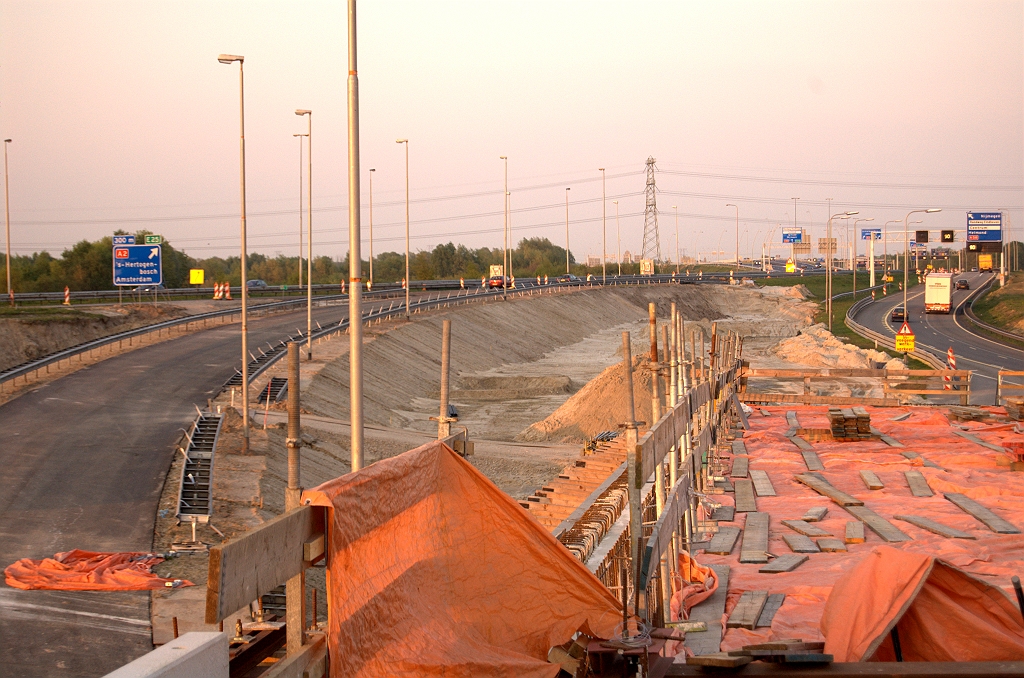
[[192, 654]]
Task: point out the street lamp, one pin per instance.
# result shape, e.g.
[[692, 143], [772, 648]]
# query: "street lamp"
[[828, 266], [618, 237], [676, 210], [7, 214], [230, 59], [504, 256], [309, 233], [792, 247], [604, 231], [407, 283], [300, 206], [567, 230], [371, 228], [906, 244], [355, 264], [885, 242], [737, 234], [853, 255]]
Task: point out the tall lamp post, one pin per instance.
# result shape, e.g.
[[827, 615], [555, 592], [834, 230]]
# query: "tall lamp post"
[[604, 231], [355, 263], [408, 284], [885, 244], [504, 256], [309, 232], [300, 206], [906, 244], [676, 210], [7, 218], [792, 246], [853, 257], [370, 285], [567, 230], [230, 59], [737, 235], [618, 237], [828, 266]]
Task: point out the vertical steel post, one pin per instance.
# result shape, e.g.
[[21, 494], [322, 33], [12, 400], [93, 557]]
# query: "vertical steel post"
[[7, 214], [244, 264], [443, 425], [634, 469], [655, 391], [355, 325], [295, 588], [309, 244]]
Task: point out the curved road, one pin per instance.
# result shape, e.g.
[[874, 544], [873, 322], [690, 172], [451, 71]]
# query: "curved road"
[[938, 332], [84, 460]]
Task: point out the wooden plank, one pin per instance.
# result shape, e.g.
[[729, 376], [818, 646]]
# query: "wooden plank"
[[762, 483], [915, 455], [784, 563], [799, 442], [792, 420], [747, 610], [816, 514], [805, 528], [854, 532], [811, 460], [932, 526], [799, 543], [879, 525], [745, 502], [739, 411], [987, 517], [978, 441], [871, 480], [772, 606], [309, 662], [719, 660], [754, 548], [724, 514], [723, 541], [758, 398], [888, 440], [739, 467], [784, 644], [831, 545], [711, 612], [244, 568], [825, 488], [918, 484]]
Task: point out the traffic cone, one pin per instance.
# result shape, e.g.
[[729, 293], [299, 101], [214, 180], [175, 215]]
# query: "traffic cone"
[[67, 297], [343, 287], [216, 290], [462, 283], [227, 291], [403, 283]]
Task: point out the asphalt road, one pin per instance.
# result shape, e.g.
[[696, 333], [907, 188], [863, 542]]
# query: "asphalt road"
[[938, 332], [84, 460]]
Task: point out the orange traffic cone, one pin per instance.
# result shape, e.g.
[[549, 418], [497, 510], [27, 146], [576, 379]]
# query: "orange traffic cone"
[[227, 291]]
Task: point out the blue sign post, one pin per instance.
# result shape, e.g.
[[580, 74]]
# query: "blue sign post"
[[124, 239], [984, 227], [792, 235], [137, 265], [870, 234]]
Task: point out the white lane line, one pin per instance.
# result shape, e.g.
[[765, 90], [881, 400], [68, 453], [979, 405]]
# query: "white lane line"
[[46, 613]]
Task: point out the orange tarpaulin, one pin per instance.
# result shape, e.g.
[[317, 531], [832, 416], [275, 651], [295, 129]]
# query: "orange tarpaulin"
[[435, 571], [940, 612], [88, 571]]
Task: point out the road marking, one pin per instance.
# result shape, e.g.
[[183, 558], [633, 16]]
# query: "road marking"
[[15, 608]]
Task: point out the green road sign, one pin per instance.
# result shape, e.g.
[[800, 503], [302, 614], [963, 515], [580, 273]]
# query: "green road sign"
[[154, 239]]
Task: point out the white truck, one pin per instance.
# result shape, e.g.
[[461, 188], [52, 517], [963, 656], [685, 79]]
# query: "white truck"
[[938, 289]]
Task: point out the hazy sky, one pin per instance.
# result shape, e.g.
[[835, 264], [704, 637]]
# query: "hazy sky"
[[121, 117]]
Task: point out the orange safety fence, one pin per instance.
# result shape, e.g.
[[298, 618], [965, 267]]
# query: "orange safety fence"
[[79, 570], [964, 467], [433, 570]]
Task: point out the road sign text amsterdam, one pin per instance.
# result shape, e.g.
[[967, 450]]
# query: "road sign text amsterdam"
[[137, 265]]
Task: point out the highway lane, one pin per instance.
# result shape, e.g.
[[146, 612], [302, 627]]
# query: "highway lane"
[[84, 460], [938, 332]]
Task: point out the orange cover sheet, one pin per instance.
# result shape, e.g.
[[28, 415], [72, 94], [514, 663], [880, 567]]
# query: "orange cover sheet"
[[941, 613], [433, 570], [79, 570]]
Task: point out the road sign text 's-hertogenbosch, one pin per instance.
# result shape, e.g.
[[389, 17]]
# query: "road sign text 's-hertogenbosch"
[[984, 227], [137, 265]]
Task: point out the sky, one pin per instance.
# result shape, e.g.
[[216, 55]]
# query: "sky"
[[121, 118]]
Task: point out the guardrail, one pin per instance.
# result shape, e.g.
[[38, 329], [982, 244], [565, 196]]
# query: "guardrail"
[[926, 357], [968, 311]]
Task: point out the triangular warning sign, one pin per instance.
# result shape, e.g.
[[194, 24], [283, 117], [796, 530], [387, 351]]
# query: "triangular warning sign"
[[905, 330]]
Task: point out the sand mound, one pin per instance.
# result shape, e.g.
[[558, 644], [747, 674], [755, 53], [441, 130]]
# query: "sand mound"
[[815, 346], [598, 406]]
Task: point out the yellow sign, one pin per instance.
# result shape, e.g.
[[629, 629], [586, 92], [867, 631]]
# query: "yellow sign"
[[790, 267], [905, 339], [646, 267], [196, 276]]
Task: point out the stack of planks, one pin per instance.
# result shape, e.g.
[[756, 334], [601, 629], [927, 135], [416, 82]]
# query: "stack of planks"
[[963, 413], [1015, 408], [850, 424], [793, 651]]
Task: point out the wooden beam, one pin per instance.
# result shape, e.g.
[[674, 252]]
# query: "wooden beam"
[[815, 514], [745, 502], [772, 606], [309, 662], [784, 563], [826, 489], [754, 548], [978, 441], [805, 528], [244, 568], [739, 466], [855, 532], [723, 541], [799, 543], [811, 459], [879, 525], [762, 483], [747, 610], [918, 484], [932, 526], [831, 545], [990, 519], [711, 612], [871, 480]]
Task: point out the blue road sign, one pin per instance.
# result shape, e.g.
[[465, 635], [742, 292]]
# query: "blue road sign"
[[792, 235], [984, 227], [870, 234], [124, 239], [137, 265]]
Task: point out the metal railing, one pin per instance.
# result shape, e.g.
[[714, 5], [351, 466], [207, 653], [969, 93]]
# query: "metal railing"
[[926, 357]]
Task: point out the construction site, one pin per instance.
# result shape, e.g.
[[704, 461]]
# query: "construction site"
[[676, 486]]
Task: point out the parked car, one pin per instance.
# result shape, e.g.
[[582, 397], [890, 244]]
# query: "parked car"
[[899, 314], [569, 278], [497, 281], [256, 284], [962, 284], [150, 288]]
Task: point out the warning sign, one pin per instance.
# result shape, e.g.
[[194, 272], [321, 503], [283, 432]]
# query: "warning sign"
[[905, 339], [790, 267]]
